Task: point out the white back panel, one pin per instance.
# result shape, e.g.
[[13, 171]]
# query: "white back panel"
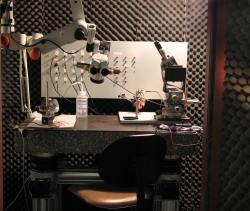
[[139, 63]]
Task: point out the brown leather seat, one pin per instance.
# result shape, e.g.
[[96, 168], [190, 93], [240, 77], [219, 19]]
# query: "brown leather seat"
[[106, 196], [127, 166]]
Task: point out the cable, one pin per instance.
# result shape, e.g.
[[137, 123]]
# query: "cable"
[[25, 195], [54, 84], [68, 74], [173, 85], [61, 96], [55, 124], [153, 102], [172, 140], [75, 72], [59, 74], [95, 110], [134, 94], [17, 195], [120, 85], [43, 41], [159, 96]]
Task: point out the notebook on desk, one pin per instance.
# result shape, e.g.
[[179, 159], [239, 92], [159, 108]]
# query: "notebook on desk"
[[142, 117]]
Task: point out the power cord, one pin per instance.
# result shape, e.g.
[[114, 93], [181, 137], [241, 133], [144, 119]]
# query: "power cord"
[[17, 195], [61, 96], [43, 41], [25, 195]]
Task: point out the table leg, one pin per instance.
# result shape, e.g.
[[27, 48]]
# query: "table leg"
[[43, 182]]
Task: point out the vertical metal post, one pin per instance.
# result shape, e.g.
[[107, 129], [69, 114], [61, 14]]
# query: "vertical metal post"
[[44, 166], [136, 104]]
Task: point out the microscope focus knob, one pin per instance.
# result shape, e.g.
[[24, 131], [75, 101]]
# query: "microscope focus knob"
[[79, 34]]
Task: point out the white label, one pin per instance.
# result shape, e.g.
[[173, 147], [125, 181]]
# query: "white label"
[[117, 53]]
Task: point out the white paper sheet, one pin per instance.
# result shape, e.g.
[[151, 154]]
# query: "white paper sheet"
[[62, 121]]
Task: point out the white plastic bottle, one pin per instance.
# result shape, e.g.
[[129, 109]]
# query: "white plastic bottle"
[[81, 102]]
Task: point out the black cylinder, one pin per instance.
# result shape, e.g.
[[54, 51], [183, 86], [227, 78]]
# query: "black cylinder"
[[44, 164]]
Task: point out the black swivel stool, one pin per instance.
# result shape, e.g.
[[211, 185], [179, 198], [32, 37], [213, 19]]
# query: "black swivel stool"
[[127, 166]]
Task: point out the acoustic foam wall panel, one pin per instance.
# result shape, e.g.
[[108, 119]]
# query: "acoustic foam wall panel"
[[235, 155], [165, 20]]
